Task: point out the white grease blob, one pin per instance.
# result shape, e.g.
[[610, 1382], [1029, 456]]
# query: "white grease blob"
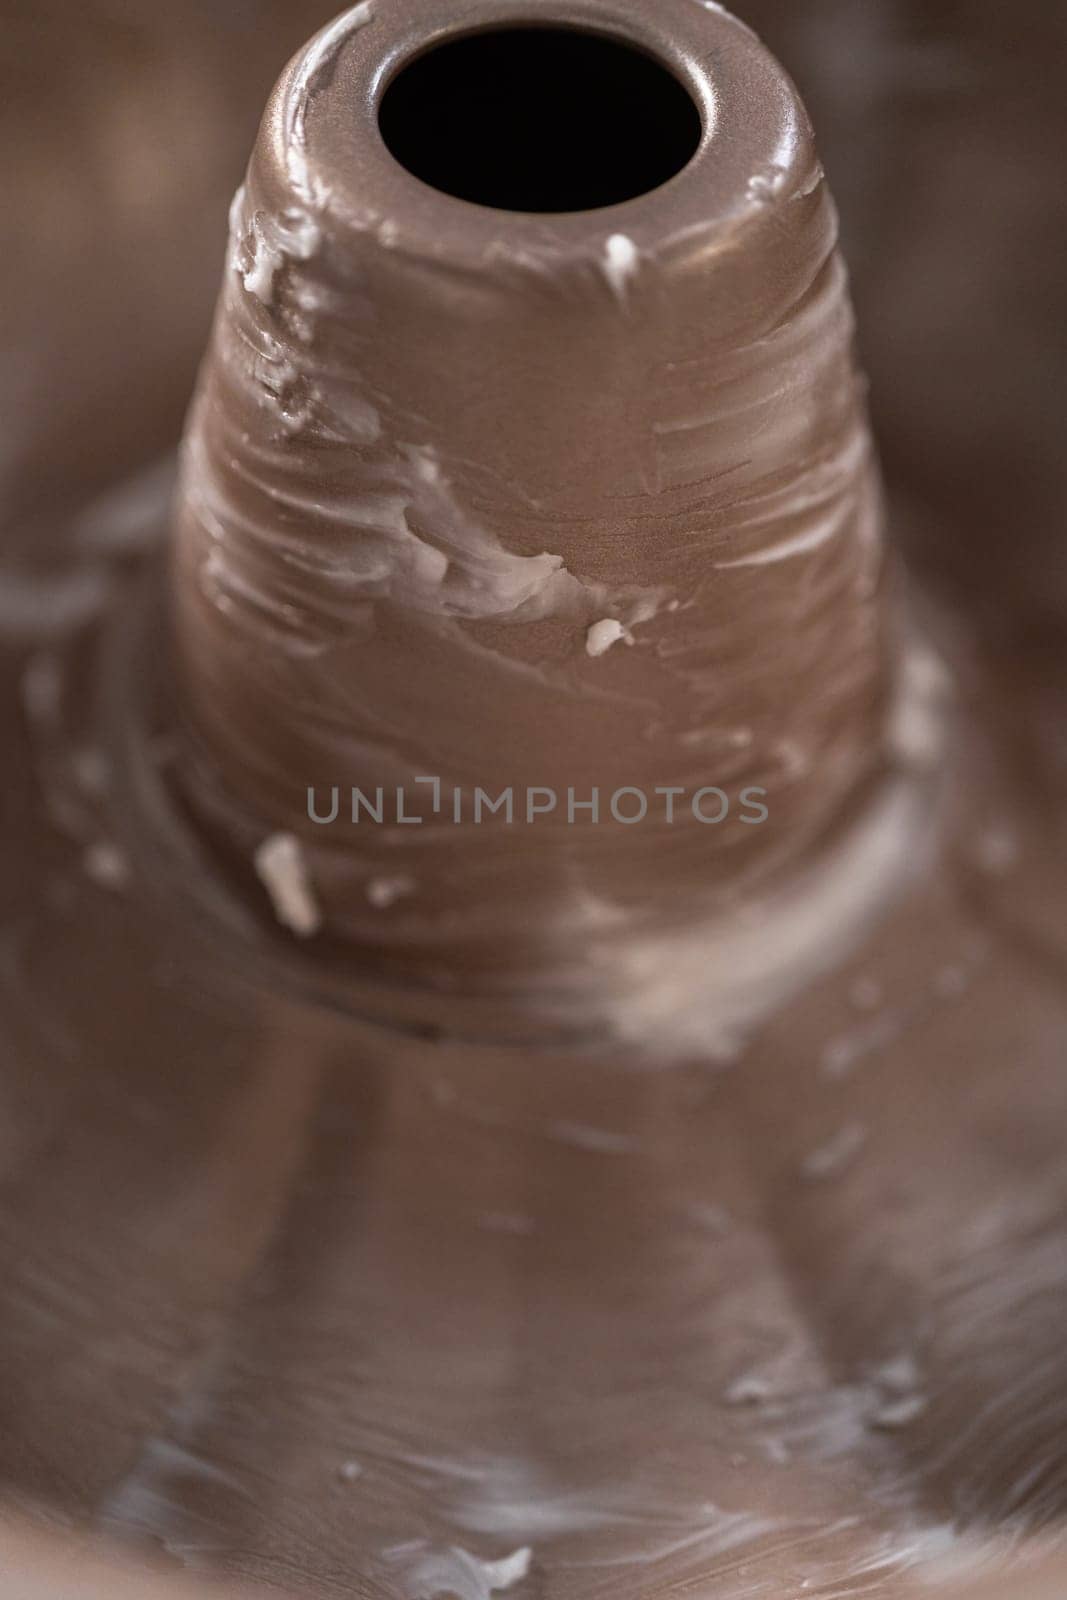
[[282, 870], [620, 262], [602, 635], [752, 1389], [295, 238], [261, 246], [765, 186]]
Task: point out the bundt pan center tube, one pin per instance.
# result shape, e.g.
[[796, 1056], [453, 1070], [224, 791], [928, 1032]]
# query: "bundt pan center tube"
[[529, 590]]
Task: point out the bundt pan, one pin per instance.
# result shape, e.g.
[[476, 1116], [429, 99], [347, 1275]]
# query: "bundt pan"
[[532, 938]]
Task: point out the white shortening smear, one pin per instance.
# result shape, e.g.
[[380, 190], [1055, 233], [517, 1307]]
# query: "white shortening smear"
[[317, 58], [800, 544], [602, 635], [379, 551], [505, 1497], [470, 573], [620, 262], [282, 870], [430, 1573], [707, 988]]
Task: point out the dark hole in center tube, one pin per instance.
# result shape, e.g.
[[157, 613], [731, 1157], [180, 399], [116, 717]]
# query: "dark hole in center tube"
[[539, 119]]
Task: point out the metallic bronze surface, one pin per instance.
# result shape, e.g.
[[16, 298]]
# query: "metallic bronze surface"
[[523, 502], [338, 1306]]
